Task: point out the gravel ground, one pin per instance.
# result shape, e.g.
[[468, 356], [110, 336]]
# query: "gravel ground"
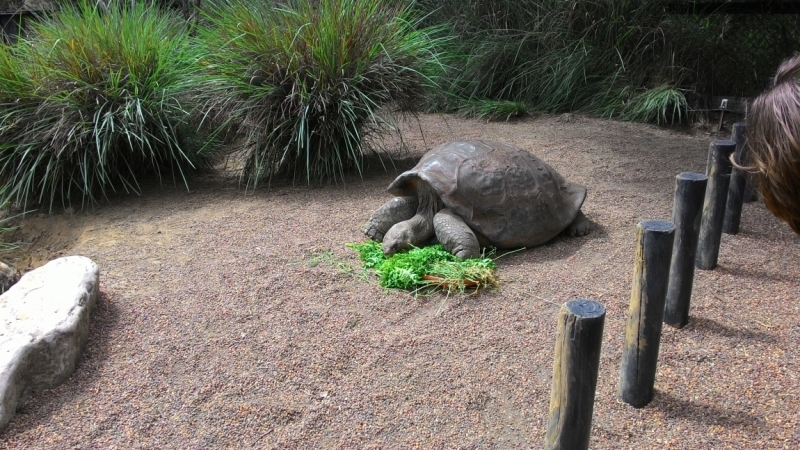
[[231, 320]]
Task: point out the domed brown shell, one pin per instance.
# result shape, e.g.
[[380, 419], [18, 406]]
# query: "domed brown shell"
[[508, 196]]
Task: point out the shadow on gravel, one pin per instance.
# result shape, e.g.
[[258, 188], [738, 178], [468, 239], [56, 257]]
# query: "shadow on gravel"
[[561, 247], [598, 231], [710, 325], [758, 275], [706, 414], [376, 165], [39, 408]]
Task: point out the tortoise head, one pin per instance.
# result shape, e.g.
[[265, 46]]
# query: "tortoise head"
[[399, 238], [414, 232]]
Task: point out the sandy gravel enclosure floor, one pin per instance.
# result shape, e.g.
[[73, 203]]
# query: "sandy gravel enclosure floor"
[[229, 320]]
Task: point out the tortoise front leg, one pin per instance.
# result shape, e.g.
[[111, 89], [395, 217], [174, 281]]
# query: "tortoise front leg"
[[580, 226], [395, 210], [454, 234]]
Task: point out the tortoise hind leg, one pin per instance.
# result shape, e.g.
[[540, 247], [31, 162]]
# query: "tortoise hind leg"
[[580, 226], [454, 234], [395, 210]]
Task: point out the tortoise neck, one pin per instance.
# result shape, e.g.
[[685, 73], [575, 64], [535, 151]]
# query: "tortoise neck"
[[421, 229], [429, 201]]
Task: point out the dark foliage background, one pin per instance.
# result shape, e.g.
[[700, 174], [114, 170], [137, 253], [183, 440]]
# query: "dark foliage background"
[[608, 57]]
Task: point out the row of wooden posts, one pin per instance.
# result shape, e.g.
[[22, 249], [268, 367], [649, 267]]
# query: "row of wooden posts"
[[667, 253]]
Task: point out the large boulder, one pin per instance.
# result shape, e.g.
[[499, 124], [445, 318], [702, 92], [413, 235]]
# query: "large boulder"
[[44, 326]]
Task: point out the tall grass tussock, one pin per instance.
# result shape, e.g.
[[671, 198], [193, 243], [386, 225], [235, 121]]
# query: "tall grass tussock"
[[661, 105], [308, 83], [93, 101]]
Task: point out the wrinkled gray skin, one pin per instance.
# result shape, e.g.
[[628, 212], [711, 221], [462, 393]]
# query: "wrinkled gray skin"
[[395, 210], [512, 199]]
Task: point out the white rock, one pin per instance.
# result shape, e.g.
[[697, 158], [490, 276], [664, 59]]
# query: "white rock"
[[44, 325]]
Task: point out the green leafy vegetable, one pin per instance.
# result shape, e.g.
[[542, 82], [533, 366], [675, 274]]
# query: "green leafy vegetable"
[[408, 270]]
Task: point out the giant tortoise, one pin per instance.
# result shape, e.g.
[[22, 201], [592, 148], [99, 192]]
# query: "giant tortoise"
[[473, 194]]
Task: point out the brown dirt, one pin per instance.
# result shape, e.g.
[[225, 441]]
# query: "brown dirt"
[[225, 319]]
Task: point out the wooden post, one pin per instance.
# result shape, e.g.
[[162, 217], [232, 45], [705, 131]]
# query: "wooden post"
[[714, 205], [690, 188], [654, 239], [579, 335], [736, 191]]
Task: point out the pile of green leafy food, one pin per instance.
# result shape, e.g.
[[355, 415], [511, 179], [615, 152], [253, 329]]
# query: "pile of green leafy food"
[[427, 268]]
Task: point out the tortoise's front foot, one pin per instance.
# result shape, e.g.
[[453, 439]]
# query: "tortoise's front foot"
[[580, 226], [395, 210], [455, 235]]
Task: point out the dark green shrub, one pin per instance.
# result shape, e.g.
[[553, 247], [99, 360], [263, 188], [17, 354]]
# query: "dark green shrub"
[[550, 55], [748, 49], [94, 101], [308, 82], [611, 58]]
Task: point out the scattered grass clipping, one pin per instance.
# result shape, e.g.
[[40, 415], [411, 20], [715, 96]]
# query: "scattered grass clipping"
[[427, 269]]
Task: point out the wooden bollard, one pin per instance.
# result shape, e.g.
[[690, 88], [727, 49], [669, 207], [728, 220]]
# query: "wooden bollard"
[[579, 335], [654, 239], [737, 189], [719, 177], [687, 210]]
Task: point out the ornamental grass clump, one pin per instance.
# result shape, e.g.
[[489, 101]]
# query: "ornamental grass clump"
[[308, 83], [427, 268], [663, 105], [17, 108], [93, 101]]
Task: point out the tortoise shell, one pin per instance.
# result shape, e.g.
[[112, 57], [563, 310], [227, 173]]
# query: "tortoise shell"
[[507, 196]]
